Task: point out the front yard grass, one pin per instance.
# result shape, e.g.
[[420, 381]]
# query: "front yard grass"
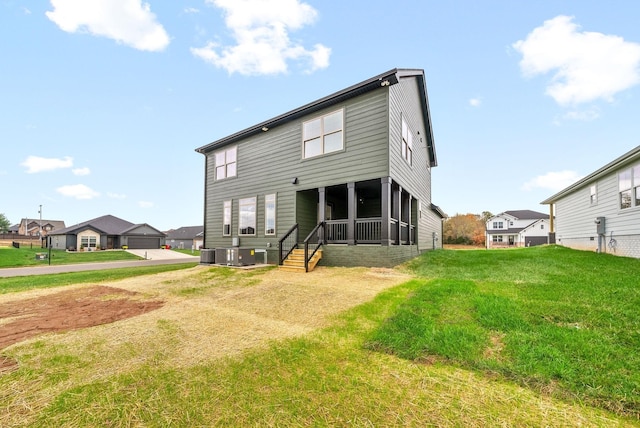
[[19, 257]]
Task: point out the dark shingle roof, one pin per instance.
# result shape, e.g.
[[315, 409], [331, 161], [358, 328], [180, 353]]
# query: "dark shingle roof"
[[186, 232], [391, 77], [512, 230], [527, 214], [108, 224]]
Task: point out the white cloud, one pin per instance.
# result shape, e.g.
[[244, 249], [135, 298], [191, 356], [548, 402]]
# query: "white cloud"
[[587, 65], [554, 181], [78, 191], [261, 32], [129, 22], [81, 171], [145, 204], [36, 164], [116, 195], [583, 116], [191, 10], [475, 102]]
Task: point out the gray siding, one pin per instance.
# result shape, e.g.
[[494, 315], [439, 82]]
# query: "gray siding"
[[416, 178], [267, 164], [575, 215]]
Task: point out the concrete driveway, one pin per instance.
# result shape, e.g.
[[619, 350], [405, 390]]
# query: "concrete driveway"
[[158, 254]]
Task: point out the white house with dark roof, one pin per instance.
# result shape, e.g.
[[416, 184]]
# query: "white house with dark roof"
[[520, 228], [601, 212]]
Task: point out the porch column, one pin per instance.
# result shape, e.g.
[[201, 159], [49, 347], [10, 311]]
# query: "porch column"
[[322, 210], [385, 195], [397, 203], [322, 205], [410, 220], [351, 213]]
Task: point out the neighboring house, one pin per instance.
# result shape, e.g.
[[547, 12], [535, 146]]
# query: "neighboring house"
[[185, 238], [601, 212], [107, 232], [520, 228], [350, 171], [37, 227]]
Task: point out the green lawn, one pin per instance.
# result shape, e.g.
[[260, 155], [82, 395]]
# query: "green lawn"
[[534, 337], [22, 283], [559, 321], [18, 257]]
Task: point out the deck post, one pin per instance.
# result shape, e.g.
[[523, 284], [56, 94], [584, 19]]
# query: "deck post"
[[351, 213], [385, 195]]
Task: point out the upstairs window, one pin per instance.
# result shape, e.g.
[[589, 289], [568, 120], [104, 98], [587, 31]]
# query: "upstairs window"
[[407, 143], [498, 225], [624, 189], [323, 135], [636, 185], [226, 163], [593, 195]]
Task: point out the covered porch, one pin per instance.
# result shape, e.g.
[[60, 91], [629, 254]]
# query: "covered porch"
[[376, 211]]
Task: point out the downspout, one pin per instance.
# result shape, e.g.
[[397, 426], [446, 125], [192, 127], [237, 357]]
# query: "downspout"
[[552, 232], [204, 222]]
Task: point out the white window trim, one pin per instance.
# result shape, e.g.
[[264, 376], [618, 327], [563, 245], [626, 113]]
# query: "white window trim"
[[247, 202], [593, 194], [266, 214], [227, 205], [226, 164], [323, 135], [406, 141]]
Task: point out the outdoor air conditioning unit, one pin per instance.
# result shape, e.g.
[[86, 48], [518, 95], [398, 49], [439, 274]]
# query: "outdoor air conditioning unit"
[[207, 256], [236, 256]]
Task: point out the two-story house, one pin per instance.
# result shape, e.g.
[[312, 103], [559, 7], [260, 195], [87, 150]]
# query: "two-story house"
[[350, 174], [519, 228], [601, 212]]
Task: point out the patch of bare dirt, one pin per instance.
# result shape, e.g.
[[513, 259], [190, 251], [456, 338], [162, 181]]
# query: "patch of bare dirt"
[[66, 310], [190, 315]]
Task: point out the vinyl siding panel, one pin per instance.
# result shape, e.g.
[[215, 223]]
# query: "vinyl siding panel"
[[575, 215], [416, 178], [268, 162]]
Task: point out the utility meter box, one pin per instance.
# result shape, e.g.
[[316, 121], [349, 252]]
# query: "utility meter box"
[[600, 225]]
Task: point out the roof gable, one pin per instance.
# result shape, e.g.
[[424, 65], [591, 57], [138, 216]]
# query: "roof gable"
[[186, 232], [380, 81], [107, 224]]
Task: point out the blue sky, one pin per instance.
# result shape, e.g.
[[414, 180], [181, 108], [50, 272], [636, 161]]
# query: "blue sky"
[[104, 101]]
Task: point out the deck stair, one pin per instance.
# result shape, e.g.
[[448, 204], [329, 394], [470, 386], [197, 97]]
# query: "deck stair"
[[295, 261]]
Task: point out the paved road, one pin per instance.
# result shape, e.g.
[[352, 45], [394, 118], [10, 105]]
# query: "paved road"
[[153, 259]]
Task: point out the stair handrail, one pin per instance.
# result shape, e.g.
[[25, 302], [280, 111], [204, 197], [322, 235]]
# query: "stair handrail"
[[318, 232], [281, 241]]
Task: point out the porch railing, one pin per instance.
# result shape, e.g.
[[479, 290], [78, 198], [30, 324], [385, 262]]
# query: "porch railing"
[[313, 242], [287, 243], [336, 231], [369, 230]]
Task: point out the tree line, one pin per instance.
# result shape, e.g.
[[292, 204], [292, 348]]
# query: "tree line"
[[466, 229]]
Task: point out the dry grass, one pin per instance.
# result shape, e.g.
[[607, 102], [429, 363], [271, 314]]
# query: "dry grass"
[[209, 313], [215, 329]]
